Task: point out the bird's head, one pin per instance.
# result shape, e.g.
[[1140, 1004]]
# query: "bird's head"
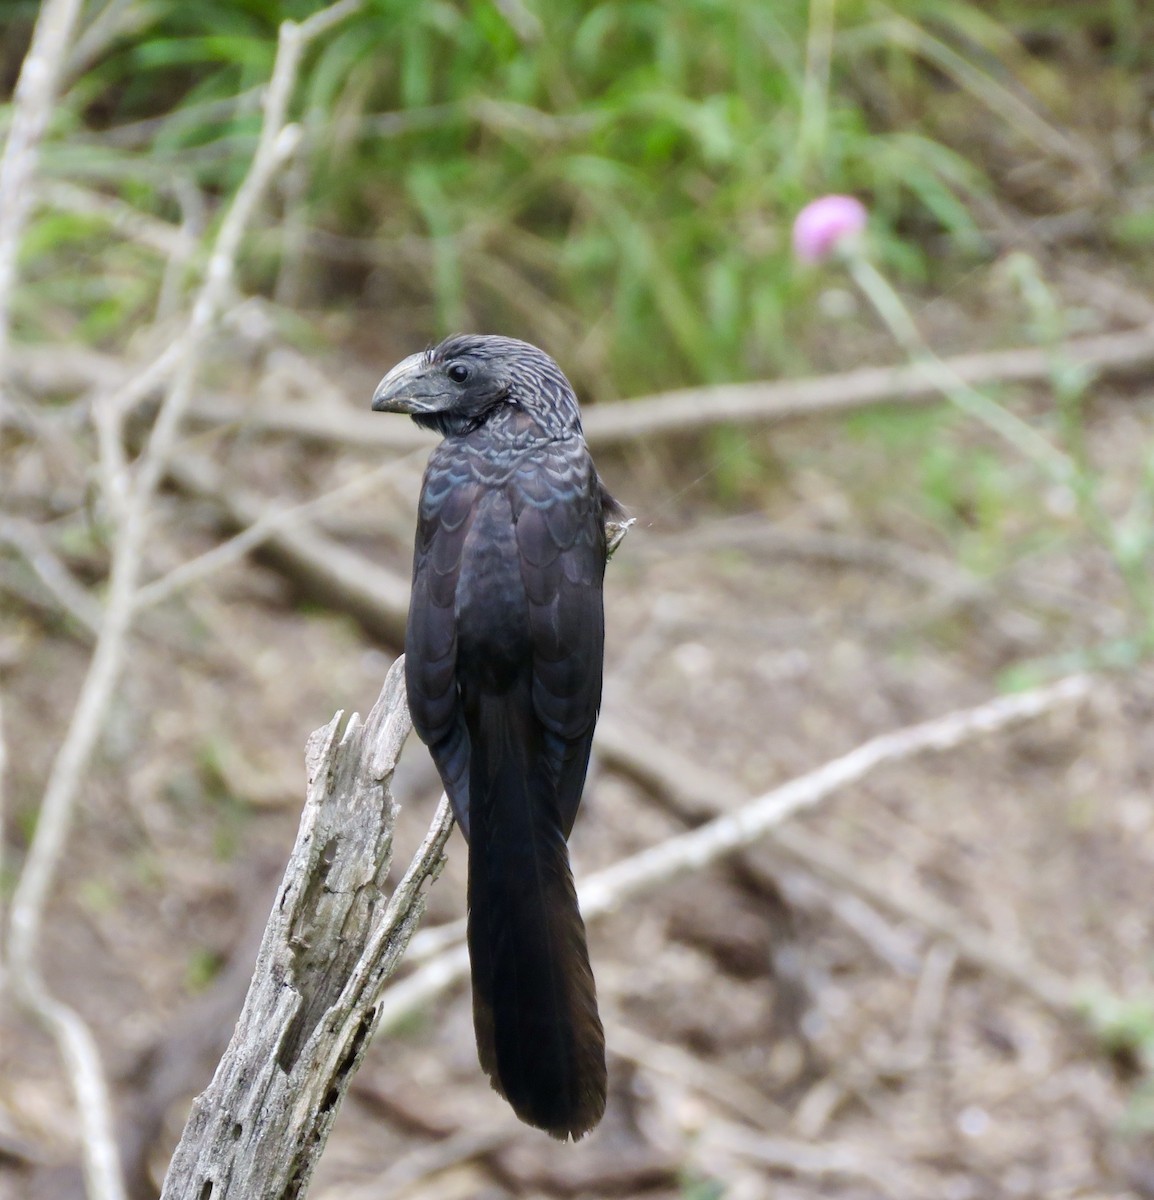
[[471, 379]]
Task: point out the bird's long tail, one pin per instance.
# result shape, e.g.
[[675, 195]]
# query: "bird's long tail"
[[539, 1036]]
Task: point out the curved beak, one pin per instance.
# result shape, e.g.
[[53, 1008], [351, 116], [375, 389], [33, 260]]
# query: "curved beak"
[[408, 388]]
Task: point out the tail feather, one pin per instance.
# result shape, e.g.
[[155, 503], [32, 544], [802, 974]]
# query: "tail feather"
[[539, 1036]]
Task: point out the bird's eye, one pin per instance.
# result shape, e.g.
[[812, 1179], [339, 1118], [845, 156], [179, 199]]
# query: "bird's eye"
[[458, 372]]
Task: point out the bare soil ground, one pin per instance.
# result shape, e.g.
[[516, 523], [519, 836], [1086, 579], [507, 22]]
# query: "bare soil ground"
[[773, 1031]]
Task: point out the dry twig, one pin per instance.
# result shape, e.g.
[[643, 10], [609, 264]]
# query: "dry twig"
[[266, 522], [701, 791], [700, 847], [69, 593], [607, 890], [807, 1160], [690, 1071], [339, 577], [691, 410], [418, 1166], [32, 107], [929, 1003]]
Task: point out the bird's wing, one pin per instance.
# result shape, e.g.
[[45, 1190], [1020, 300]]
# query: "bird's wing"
[[448, 503], [557, 509]]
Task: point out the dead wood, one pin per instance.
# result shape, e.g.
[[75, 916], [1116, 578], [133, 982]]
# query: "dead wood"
[[698, 794], [171, 1069], [319, 567], [332, 939], [317, 562], [1116, 355], [690, 410]]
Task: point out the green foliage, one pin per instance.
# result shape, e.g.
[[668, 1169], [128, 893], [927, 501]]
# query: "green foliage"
[[1122, 1026], [740, 468], [202, 967], [614, 178], [979, 499], [98, 896], [1133, 230], [695, 1187]]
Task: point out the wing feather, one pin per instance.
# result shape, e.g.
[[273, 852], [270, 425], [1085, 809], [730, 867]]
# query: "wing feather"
[[562, 549], [448, 502]]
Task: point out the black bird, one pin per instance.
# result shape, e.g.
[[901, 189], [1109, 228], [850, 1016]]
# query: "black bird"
[[503, 660]]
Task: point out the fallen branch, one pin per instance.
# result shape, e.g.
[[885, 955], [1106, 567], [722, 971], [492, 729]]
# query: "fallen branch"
[[697, 791], [688, 410], [311, 1009], [687, 1070], [69, 593], [405, 1175], [338, 577], [693, 409], [608, 890], [379, 599], [826, 1160], [259, 523]]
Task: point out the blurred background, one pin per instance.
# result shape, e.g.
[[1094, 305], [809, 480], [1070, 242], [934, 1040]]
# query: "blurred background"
[[936, 983]]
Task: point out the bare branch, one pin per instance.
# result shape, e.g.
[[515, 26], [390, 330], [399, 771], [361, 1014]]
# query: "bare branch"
[[629, 749], [277, 142], [1015, 966], [824, 1160], [269, 521], [689, 1070], [71, 595], [928, 1005], [376, 596], [57, 808], [607, 890], [688, 410], [321, 22], [693, 409], [166, 239], [261, 1125], [113, 20], [699, 408], [32, 109], [404, 1176], [33, 104], [700, 847], [47, 369], [85, 1072]]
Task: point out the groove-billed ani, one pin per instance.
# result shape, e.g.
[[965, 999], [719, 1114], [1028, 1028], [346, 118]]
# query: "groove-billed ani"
[[503, 659]]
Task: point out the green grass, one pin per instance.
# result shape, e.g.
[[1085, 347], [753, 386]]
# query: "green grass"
[[613, 179]]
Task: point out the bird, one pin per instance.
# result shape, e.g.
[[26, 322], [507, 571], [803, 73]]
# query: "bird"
[[503, 668]]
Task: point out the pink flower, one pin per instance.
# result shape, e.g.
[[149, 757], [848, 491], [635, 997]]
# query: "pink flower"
[[824, 223]]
